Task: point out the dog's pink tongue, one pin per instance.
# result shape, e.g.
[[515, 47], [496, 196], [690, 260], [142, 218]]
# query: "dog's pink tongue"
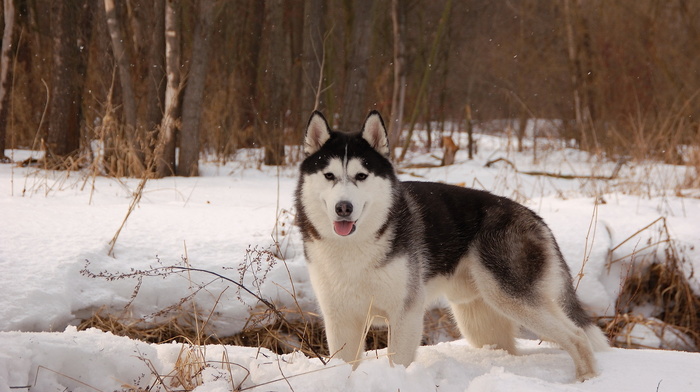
[[343, 227]]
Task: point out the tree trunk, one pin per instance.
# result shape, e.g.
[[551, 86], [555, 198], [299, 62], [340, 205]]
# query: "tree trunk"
[[314, 55], [470, 132], [165, 150], [586, 73], [354, 91], [122, 57], [274, 86], [145, 42], [398, 21], [155, 92], [6, 73], [522, 128], [188, 163], [67, 77], [522, 76], [437, 41], [575, 74], [248, 49], [295, 121]]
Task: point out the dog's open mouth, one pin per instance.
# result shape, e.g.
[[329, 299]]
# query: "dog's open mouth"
[[344, 228]]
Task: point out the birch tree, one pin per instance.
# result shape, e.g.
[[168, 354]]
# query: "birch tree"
[[165, 150]]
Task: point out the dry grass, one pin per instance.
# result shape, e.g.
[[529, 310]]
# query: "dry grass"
[[657, 280], [275, 329], [176, 328], [107, 153], [262, 329], [676, 309], [654, 135]]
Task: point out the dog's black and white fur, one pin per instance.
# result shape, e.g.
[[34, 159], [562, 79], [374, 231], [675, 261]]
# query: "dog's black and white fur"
[[380, 249]]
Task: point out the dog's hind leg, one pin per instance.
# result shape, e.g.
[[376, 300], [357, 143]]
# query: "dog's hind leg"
[[549, 321], [552, 324], [481, 325]]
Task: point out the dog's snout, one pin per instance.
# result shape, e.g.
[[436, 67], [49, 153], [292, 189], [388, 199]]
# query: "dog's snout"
[[343, 208]]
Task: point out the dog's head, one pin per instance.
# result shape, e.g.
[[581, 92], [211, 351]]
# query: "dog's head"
[[346, 183]]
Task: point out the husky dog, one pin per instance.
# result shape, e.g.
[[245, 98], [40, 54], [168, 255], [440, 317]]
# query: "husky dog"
[[381, 249]]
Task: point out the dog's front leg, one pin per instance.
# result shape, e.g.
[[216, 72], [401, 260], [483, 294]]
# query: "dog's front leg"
[[345, 338], [405, 335]]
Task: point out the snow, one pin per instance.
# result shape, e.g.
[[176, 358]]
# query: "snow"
[[56, 224], [93, 360]]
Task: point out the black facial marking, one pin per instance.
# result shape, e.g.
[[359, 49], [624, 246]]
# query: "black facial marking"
[[356, 147]]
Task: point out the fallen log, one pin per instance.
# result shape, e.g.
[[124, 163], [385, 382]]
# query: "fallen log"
[[612, 176]]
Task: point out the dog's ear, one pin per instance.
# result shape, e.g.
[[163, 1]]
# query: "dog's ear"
[[317, 133], [374, 132]]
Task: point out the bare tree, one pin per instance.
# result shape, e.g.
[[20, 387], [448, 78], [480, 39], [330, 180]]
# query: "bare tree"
[[121, 55], [436, 43], [6, 73], [188, 163], [274, 95], [165, 150], [247, 59], [294, 120], [354, 91], [398, 22], [145, 41], [575, 72], [314, 55], [123, 59], [67, 77], [155, 74]]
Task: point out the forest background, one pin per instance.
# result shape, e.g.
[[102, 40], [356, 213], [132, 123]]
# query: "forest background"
[[129, 82]]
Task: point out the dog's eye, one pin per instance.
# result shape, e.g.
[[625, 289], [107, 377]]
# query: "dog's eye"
[[329, 176], [361, 176]]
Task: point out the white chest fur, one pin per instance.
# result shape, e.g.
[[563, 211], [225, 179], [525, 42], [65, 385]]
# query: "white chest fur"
[[349, 278]]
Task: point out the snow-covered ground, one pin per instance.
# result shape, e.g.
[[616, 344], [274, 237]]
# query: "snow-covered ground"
[[57, 224]]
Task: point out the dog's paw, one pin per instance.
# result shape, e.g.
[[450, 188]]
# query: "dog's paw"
[[581, 377]]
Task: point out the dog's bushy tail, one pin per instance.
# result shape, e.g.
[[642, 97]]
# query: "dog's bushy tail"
[[574, 310], [599, 342]]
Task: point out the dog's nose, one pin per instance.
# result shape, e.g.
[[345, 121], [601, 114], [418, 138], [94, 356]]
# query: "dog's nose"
[[343, 208]]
